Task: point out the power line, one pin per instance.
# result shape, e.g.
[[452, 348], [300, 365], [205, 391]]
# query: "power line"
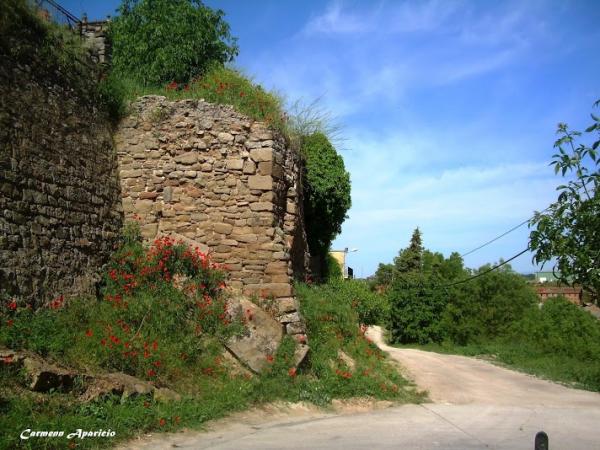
[[512, 229], [502, 235], [497, 266], [421, 285]]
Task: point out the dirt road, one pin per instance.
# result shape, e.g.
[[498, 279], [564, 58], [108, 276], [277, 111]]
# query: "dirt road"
[[459, 380], [475, 405]]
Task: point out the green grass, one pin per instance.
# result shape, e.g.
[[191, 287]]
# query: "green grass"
[[220, 85], [143, 311]]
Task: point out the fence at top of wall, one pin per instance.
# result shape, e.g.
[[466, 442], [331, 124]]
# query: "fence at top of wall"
[[93, 32]]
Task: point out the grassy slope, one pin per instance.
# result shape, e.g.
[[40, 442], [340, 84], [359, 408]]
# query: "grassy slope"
[[332, 325]]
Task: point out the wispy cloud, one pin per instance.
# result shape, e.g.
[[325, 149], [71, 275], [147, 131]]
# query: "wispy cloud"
[[422, 16], [335, 20], [439, 135]]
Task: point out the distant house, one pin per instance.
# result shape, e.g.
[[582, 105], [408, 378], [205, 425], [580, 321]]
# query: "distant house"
[[340, 257], [545, 277], [573, 294]]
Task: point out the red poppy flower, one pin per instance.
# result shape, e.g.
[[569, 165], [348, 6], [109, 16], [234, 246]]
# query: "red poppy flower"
[[162, 422], [12, 305], [292, 372], [89, 333], [151, 373]]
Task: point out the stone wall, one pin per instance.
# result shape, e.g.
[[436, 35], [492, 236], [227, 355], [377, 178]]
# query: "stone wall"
[[207, 173], [59, 192], [97, 39]]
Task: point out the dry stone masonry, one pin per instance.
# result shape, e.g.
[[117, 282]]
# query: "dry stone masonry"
[[59, 192], [229, 184], [96, 35]]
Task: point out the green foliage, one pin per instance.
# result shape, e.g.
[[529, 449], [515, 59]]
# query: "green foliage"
[[560, 328], [570, 228], [486, 307], [559, 341], [416, 304], [416, 308], [428, 305], [326, 193], [411, 258], [162, 311], [58, 55], [220, 85], [332, 322], [371, 308], [159, 41], [383, 276], [112, 92]]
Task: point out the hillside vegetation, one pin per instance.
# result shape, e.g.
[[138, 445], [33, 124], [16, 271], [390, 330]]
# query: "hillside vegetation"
[[494, 314], [163, 318]]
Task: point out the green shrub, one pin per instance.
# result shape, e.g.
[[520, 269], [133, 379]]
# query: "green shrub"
[[158, 41], [333, 325], [326, 194], [372, 308], [162, 311], [486, 307], [417, 306], [559, 327]]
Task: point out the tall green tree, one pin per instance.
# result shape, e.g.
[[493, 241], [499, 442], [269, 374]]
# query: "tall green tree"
[[159, 41], [416, 305], [411, 258], [569, 230], [326, 194]]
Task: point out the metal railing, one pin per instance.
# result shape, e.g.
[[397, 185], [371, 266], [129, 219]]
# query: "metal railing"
[[52, 11]]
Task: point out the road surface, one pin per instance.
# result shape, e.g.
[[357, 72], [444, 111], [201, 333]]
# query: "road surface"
[[474, 405]]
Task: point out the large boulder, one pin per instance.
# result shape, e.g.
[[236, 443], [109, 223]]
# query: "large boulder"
[[41, 375], [116, 384], [259, 343]]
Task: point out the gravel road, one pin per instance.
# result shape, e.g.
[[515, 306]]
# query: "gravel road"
[[474, 405]]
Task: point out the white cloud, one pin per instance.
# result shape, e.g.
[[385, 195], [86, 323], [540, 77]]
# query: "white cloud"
[[422, 16], [336, 21]]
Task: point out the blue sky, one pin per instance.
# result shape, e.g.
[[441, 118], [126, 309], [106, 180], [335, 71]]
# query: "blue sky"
[[448, 108]]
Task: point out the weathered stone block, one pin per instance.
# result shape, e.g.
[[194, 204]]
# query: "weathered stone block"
[[261, 206], [261, 154], [225, 138], [258, 182], [187, 158], [222, 228], [249, 167], [235, 164], [270, 290]]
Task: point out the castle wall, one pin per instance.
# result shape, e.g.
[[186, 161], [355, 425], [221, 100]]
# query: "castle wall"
[[207, 173], [60, 212]]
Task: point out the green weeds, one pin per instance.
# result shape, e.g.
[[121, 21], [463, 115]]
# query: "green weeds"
[[162, 318]]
